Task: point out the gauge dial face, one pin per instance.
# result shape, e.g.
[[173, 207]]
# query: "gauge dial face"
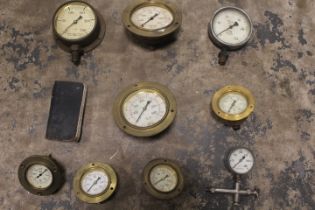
[[94, 182], [39, 176], [152, 18], [241, 161], [144, 108], [231, 26], [163, 178], [233, 103], [75, 21]]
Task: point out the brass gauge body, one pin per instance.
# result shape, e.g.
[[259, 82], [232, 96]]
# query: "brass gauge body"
[[144, 109], [163, 179], [233, 104], [78, 28], [95, 182], [41, 175], [152, 21]]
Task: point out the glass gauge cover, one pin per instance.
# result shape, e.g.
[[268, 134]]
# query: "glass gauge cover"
[[163, 178], [39, 176], [240, 160]]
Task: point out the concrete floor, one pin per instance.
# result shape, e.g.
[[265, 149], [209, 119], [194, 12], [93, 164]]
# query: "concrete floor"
[[278, 66]]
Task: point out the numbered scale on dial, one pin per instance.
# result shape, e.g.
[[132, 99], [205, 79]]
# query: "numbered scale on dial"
[[240, 160], [163, 179], [153, 21], [78, 28], [41, 175], [230, 29], [144, 109]]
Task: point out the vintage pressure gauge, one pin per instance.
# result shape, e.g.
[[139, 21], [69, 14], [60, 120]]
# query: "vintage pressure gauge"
[[240, 160], [152, 21], [163, 179], [78, 28], [230, 29], [144, 109], [233, 104], [95, 182], [41, 175]]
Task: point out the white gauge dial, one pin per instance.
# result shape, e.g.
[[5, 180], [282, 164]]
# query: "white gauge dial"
[[233, 103], [152, 18], [241, 161], [39, 176], [144, 108], [231, 26], [94, 182], [163, 178], [75, 21]]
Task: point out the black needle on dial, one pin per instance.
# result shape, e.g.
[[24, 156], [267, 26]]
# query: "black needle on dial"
[[228, 28], [143, 110], [73, 23], [232, 105], [150, 19], [94, 183], [161, 179], [39, 175], [244, 156]]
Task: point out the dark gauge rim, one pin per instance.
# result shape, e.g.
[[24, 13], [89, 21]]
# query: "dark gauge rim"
[[227, 158], [151, 189], [51, 164], [221, 44]]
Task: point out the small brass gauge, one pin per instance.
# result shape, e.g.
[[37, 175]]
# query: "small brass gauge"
[[144, 109], [240, 160], [152, 21], [41, 175], [230, 29], [95, 182], [233, 104], [78, 28], [163, 179]]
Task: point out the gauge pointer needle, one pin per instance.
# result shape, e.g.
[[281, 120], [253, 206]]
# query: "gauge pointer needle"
[[160, 180], [39, 175], [73, 23], [150, 19], [94, 183], [143, 110], [232, 105], [230, 27], [239, 161]]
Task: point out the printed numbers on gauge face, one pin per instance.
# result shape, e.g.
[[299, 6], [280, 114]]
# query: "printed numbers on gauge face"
[[233, 103], [94, 182], [163, 178], [39, 176], [241, 161]]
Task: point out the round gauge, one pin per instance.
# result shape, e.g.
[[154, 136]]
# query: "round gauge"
[[41, 175], [144, 109], [230, 28], [163, 179], [95, 182], [152, 19], [240, 160], [233, 103]]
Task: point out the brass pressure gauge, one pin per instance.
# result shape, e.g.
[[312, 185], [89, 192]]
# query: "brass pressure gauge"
[[78, 28], [152, 21], [144, 109], [233, 104], [41, 175], [163, 179], [95, 182]]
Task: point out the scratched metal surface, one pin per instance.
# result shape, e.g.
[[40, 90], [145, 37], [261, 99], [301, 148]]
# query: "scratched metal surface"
[[278, 66]]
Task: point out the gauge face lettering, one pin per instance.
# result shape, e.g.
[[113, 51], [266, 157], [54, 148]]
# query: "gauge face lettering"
[[163, 178], [74, 21], [241, 161], [152, 18], [39, 176], [94, 182], [144, 108], [233, 103]]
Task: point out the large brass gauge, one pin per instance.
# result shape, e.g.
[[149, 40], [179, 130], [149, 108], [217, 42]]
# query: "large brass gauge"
[[163, 179], [233, 104], [78, 28], [152, 21], [41, 175], [144, 109], [95, 182]]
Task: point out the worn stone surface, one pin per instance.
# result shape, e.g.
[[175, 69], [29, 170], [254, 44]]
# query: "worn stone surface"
[[278, 66]]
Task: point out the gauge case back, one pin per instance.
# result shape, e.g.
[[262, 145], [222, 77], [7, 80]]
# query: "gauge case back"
[[66, 111]]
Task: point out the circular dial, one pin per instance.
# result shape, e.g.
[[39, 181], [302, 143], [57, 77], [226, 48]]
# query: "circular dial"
[[163, 178], [241, 161], [94, 182], [75, 20], [152, 18], [144, 108], [233, 103], [39, 176], [231, 26]]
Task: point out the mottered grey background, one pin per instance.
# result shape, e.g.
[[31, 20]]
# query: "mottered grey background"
[[277, 66]]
